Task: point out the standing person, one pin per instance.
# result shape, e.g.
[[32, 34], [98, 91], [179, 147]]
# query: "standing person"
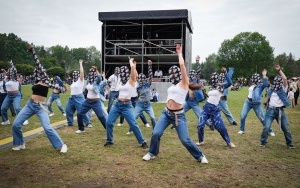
[[76, 97], [56, 97], [37, 105], [174, 114], [3, 94], [294, 88], [297, 92], [291, 97], [123, 106], [93, 100], [113, 83], [13, 94], [254, 100], [211, 108], [20, 80], [223, 101], [277, 101]]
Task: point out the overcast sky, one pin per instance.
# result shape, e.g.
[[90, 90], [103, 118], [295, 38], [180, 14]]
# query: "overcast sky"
[[75, 22]]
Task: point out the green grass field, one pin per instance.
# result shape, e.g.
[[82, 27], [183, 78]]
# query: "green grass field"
[[89, 164]]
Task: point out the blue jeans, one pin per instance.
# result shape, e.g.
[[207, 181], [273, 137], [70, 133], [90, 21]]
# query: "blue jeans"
[[112, 96], [248, 105], [125, 109], [74, 104], [29, 110], [12, 110], [11, 98], [271, 114], [211, 111], [224, 107], [143, 118], [97, 108], [147, 107], [165, 119], [55, 97]]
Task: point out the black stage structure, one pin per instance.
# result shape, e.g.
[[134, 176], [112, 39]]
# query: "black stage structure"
[[145, 35]]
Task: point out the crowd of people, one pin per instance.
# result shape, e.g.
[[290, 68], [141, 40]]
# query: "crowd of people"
[[131, 95]]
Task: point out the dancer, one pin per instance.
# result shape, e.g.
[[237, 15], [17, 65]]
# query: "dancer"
[[76, 97], [174, 114], [56, 97], [37, 105], [13, 94], [113, 83], [93, 100], [277, 101], [3, 94], [211, 108], [124, 107], [254, 100]]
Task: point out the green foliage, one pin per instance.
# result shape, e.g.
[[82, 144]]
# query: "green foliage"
[[56, 71], [25, 69], [210, 66]]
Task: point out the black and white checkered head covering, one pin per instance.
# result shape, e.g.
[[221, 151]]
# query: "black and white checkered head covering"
[[12, 72], [215, 84], [277, 83], [221, 77], [92, 75], [75, 76], [174, 74], [1, 76], [255, 79], [124, 74], [142, 79]]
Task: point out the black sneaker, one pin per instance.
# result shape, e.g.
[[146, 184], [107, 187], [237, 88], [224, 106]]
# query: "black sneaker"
[[234, 123], [291, 146], [108, 144], [263, 144], [144, 145]]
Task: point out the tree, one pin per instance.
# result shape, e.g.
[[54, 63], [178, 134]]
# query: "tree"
[[209, 66], [247, 52], [24, 69], [56, 71]]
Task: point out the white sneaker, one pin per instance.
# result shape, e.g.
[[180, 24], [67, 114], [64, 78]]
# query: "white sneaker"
[[5, 122], [199, 143], [231, 145], [129, 132], [51, 114], [64, 149], [203, 160], [90, 126], [64, 114], [19, 147], [25, 122], [79, 131], [119, 124], [272, 134], [148, 157], [241, 132], [147, 125]]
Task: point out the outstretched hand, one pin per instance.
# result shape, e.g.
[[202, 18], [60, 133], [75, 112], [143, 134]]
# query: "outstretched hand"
[[264, 72], [178, 48], [277, 67], [132, 62], [223, 70]]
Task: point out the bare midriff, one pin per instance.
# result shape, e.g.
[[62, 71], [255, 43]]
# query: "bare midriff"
[[172, 105]]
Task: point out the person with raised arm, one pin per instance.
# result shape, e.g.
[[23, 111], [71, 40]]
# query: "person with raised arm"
[[37, 105], [174, 114]]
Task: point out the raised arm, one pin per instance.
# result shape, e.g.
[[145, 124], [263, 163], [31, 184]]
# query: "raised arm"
[[150, 75], [280, 72], [133, 72], [81, 71], [184, 83]]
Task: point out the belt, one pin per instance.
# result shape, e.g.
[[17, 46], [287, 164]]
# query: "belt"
[[96, 99], [15, 91], [274, 107], [55, 93], [124, 100], [249, 99], [175, 112]]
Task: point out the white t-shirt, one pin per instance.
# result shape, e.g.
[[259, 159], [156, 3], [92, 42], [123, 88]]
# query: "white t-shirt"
[[177, 94], [275, 100], [291, 95], [12, 85], [126, 91], [158, 73], [250, 91], [1, 87], [114, 82], [77, 87], [214, 96], [91, 93]]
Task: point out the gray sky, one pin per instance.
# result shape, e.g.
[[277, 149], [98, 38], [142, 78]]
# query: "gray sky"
[[75, 22]]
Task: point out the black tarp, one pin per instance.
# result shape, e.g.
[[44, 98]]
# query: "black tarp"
[[149, 14]]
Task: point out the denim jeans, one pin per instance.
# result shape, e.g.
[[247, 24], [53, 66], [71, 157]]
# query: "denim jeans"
[[74, 104], [11, 107], [224, 107], [55, 97], [165, 119], [125, 109], [143, 118], [257, 107], [112, 96], [29, 110], [271, 114], [11, 98], [213, 112], [147, 107], [97, 108]]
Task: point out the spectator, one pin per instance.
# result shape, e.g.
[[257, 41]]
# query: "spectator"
[[158, 73], [154, 95], [291, 97]]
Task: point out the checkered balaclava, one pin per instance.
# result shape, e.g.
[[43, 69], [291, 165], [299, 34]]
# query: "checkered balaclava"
[[277, 83], [124, 74], [255, 79], [221, 77], [75, 76], [142, 79], [12, 72], [174, 74], [92, 75], [193, 76], [215, 83]]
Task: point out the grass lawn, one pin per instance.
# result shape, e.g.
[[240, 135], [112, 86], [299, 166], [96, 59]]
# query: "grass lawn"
[[89, 164]]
